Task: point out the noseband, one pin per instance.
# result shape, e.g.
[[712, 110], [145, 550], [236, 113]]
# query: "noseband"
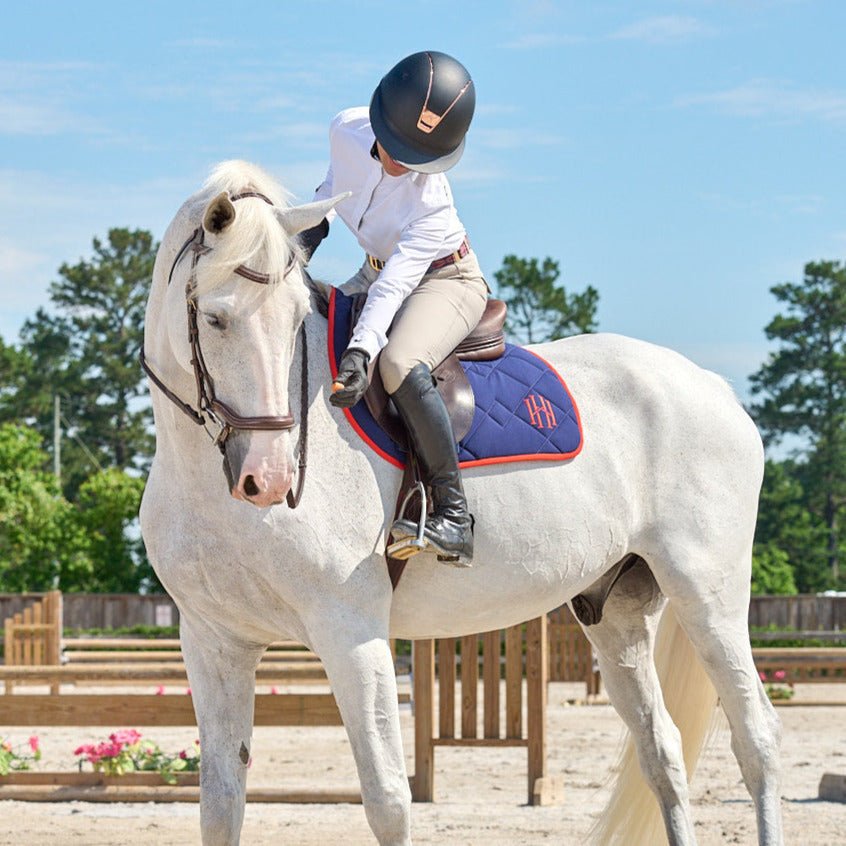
[[208, 406]]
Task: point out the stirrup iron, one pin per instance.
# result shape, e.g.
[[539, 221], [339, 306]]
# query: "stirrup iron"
[[405, 548]]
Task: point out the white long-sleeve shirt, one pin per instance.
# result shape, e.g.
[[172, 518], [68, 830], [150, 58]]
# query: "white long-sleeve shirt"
[[406, 221]]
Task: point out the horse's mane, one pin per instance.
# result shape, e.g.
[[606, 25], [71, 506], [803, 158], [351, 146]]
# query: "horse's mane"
[[256, 238]]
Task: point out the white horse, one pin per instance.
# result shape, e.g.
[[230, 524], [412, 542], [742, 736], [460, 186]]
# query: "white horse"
[[668, 479]]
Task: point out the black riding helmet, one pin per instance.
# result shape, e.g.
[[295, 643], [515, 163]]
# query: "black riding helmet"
[[421, 110]]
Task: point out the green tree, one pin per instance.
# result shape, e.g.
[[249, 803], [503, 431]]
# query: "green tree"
[[786, 524], [802, 390], [40, 545], [86, 351], [538, 308], [771, 571], [107, 507]]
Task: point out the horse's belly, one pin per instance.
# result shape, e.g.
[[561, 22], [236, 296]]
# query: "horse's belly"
[[539, 540]]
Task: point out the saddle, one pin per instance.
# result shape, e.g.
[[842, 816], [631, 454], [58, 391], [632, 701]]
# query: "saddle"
[[485, 343]]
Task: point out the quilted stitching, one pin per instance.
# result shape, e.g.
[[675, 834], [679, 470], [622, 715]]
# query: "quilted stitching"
[[501, 426]]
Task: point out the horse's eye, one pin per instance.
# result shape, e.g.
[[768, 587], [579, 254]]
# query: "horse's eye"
[[215, 320]]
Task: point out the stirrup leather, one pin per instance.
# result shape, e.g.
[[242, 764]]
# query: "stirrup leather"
[[405, 548]]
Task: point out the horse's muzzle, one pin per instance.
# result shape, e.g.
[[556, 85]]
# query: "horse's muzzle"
[[258, 468]]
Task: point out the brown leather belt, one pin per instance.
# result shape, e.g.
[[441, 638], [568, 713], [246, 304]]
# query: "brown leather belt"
[[437, 264]]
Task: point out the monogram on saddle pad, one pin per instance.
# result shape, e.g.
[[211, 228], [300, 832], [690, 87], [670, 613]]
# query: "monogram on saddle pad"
[[505, 402]]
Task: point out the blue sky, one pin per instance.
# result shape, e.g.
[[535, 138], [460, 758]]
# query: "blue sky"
[[681, 157]]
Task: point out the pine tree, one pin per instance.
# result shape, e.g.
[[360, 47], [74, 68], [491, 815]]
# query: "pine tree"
[[538, 309], [802, 390]]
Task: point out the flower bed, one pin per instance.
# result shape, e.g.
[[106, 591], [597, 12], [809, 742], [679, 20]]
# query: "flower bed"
[[124, 758]]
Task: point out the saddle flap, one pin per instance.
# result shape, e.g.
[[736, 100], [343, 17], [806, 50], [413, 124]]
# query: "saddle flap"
[[453, 386]]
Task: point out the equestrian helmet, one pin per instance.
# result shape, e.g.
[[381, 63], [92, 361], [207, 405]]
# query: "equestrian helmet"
[[421, 110]]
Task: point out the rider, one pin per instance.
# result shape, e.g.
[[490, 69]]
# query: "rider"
[[422, 279]]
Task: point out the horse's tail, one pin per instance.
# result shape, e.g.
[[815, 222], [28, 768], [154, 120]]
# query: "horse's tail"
[[632, 815]]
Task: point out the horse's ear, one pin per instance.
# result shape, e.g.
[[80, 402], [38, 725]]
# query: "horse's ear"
[[220, 214], [298, 218]]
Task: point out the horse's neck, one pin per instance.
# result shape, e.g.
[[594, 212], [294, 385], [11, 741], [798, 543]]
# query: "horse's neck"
[[335, 453]]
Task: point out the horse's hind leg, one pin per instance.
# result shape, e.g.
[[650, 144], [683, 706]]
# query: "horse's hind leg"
[[624, 641], [221, 673], [720, 634]]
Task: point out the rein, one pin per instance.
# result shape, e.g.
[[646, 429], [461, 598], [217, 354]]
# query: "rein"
[[208, 406]]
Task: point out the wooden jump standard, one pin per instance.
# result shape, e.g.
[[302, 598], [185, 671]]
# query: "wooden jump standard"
[[542, 789]]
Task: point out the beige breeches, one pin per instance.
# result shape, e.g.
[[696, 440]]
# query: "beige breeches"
[[435, 317]]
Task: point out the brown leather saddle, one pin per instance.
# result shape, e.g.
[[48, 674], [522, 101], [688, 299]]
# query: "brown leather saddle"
[[485, 343]]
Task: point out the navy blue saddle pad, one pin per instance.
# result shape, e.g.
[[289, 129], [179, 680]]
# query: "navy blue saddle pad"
[[524, 410]]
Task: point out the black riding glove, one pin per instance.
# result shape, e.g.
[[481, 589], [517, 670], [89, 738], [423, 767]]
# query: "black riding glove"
[[352, 375], [309, 239]]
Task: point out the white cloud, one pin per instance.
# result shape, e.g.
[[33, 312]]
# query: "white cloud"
[[202, 43], [513, 139], [22, 74], [772, 206], [536, 40], [663, 30], [35, 98], [304, 133], [14, 260], [767, 98], [471, 173], [30, 118]]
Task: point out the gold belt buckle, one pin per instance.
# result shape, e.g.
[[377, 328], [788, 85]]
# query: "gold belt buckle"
[[376, 264]]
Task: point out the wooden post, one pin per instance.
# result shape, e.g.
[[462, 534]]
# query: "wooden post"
[[514, 682], [469, 683], [536, 676], [53, 651], [423, 787], [446, 686], [833, 787], [8, 651], [26, 657], [490, 675]]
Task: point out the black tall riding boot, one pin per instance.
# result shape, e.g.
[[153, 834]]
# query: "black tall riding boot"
[[449, 528]]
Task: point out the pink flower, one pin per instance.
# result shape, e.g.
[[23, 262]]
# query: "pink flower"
[[125, 737], [762, 675], [779, 675], [108, 749], [188, 691], [160, 690], [273, 690], [33, 743]]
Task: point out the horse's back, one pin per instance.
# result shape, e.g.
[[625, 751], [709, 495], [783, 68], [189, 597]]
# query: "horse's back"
[[609, 374]]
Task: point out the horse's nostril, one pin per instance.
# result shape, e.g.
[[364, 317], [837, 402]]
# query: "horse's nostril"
[[250, 486]]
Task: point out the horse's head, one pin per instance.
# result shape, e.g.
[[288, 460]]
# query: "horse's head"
[[234, 301]]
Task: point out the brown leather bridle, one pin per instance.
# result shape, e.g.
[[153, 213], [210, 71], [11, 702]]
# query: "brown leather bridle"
[[208, 406]]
